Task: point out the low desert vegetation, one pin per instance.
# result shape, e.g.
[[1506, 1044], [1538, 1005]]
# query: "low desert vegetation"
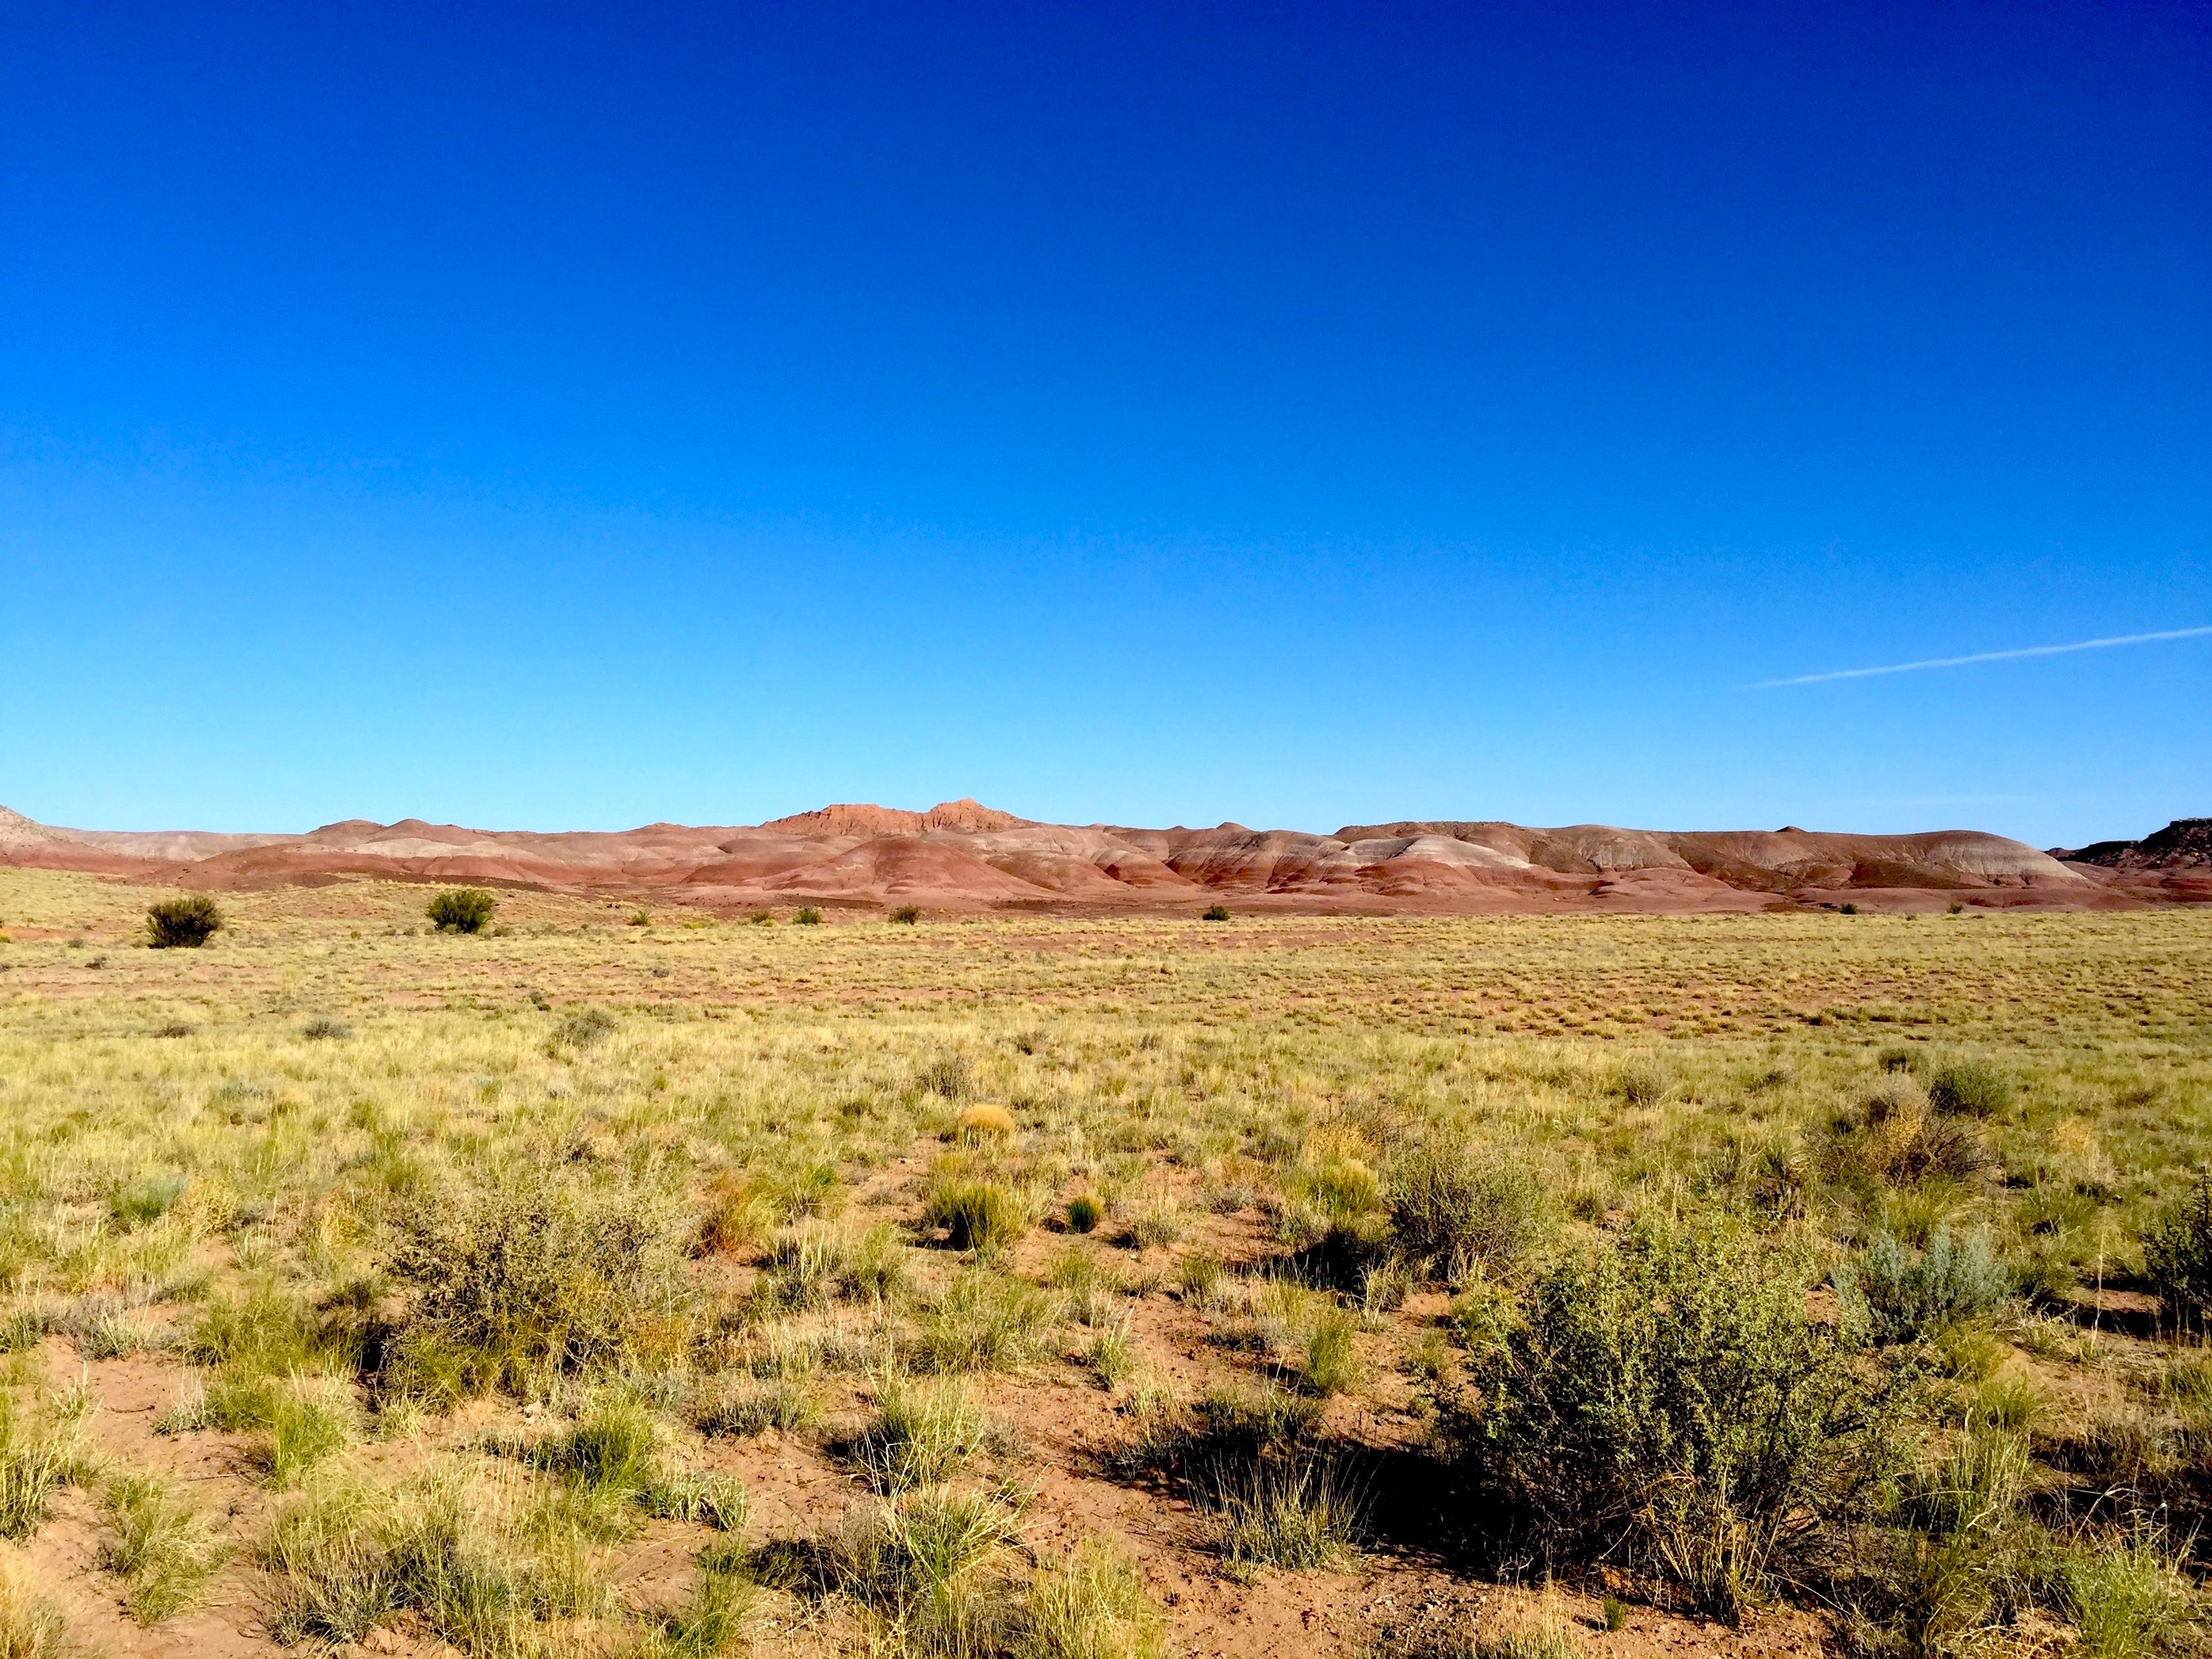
[[701, 1290], [183, 923], [469, 910]]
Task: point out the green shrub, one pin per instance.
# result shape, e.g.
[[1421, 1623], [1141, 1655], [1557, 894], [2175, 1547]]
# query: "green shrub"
[[462, 910], [907, 914], [1905, 1297], [1453, 1210], [583, 1027], [1215, 913], [808, 917], [534, 1272], [2177, 1254], [1668, 1402], [1085, 1212], [1966, 1088], [183, 924]]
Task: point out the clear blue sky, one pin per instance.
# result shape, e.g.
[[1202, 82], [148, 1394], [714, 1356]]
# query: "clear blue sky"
[[576, 416]]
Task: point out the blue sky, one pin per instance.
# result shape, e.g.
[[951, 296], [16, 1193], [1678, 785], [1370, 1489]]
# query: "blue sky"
[[576, 416]]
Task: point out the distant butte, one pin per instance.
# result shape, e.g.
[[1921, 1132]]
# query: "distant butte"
[[963, 856]]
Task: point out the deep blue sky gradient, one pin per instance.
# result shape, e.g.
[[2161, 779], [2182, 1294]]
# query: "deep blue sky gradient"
[[568, 416]]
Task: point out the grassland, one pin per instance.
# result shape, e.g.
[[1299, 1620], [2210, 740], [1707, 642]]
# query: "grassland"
[[589, 1285]]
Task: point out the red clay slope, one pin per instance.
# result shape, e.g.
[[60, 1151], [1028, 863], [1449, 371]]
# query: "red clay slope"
[[961, 855]]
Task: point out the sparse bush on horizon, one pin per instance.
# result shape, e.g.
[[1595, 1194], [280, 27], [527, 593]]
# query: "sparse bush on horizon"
[[462, 910], [182, 924]]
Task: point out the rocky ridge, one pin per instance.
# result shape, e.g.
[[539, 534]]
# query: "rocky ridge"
[[963, 856]]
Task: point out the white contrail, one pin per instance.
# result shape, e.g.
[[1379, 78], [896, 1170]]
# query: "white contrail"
[[1987, 656]]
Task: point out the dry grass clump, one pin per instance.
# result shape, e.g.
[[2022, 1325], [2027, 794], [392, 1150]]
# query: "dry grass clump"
[[923, 1432], [43, 1448], [982, 1321], [163, 1548], [472, 1559], [1091, 1606], [30, 1626], [984, 1123], [976, 1213], [1278, 1496], [1905, 1139], [931, 1568]]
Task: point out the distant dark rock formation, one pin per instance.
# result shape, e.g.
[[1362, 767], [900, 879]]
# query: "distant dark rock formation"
[[2184, 844]]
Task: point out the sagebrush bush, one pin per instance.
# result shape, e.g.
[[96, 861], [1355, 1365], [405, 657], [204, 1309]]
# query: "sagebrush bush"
[[1669, 1403], [1970, 1088], [1905, 1297], [534, 1272], [183, 923], [2176, 1251], [462, 910], [1453, 1210], [583, 1027]]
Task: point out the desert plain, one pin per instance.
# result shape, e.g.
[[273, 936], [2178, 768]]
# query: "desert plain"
[[645, 1274]]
